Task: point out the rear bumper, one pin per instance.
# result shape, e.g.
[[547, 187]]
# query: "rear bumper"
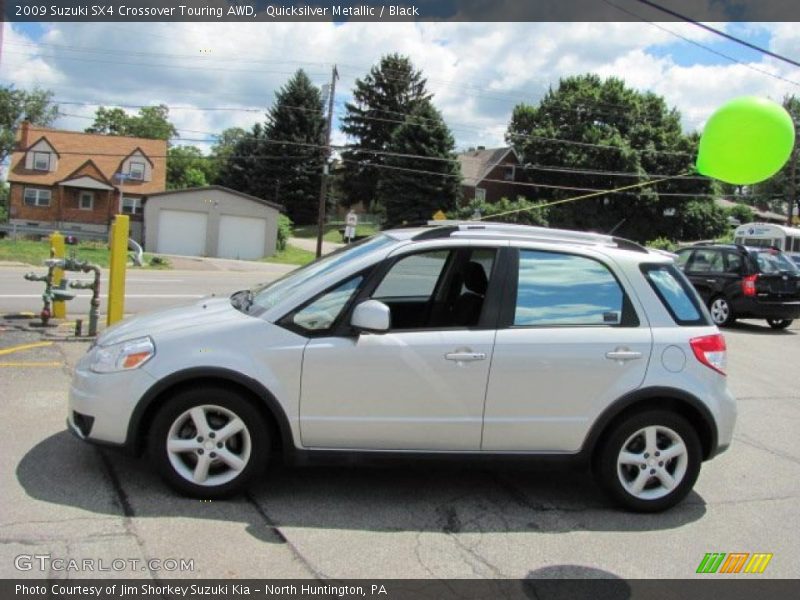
[[752, 307]]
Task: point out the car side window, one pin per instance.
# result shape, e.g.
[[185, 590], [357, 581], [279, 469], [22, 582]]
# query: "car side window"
[[557, 289], [322, 312], [706, 261], [683, 258], [414, 276], [734, 263]]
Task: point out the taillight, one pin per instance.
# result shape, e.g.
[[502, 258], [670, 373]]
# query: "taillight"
[[749, 285], [711, 351]]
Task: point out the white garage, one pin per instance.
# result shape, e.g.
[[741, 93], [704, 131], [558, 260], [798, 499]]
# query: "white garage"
[[241, 237], [182, 232], [210, 221]]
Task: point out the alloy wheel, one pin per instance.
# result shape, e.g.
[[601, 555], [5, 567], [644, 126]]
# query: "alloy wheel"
[[652, 462], [208, 445]]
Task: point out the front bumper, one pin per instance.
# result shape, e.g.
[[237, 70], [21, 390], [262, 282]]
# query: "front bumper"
[[101, 405]]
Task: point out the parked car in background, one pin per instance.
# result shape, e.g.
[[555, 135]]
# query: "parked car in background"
[[479, 339], [740, 282]]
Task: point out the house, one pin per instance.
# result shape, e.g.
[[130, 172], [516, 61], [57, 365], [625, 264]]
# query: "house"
[[210, 221], [488, 174], [762, 216], [68, 181]]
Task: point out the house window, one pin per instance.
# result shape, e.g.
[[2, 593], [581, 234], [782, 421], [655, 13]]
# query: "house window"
[[41, 161], [480, 194], [86, 200], [508, 173], [37, 197], [131, 206], [136, 170]]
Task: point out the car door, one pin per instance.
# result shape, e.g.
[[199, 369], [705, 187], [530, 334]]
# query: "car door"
[[422, 384], [571, 340], [706, 270]]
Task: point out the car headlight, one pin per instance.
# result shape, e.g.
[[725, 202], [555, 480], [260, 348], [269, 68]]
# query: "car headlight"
[[123, 356]]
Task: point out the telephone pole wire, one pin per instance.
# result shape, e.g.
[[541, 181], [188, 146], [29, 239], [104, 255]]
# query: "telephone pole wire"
[[326, 153]]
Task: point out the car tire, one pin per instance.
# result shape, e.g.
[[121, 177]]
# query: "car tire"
[[721, 311], [628, 468], [779, 323], [208, 442]]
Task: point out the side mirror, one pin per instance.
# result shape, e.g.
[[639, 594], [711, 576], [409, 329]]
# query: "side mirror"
[[371, 316]]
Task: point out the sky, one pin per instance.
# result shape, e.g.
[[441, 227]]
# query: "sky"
[[477, 72]]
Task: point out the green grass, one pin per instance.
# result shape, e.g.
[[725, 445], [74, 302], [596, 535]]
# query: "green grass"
[[331, 231], [35, 253], [292, 255]]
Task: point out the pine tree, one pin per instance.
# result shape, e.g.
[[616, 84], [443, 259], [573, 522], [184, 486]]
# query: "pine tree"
[[282, 160], [389, 92], [411, 188]]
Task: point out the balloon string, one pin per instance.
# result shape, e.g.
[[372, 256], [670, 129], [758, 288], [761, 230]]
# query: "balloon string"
[[585, 196]]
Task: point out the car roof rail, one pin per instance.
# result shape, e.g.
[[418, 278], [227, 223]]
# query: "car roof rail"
[[523, 232]]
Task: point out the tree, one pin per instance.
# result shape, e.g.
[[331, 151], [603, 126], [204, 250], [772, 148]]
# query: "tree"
[[390, 92], [592, 134], [282, 160], [782, 189], [411, 188], [222, 151], [152, 122], [16, 106], [187, 167], [3, 202]]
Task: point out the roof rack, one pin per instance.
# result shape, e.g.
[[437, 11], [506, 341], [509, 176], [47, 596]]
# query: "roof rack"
[[473, 229]]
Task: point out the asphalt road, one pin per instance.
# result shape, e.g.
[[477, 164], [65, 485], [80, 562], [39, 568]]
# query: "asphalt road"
[[145, 289], [66, 499]]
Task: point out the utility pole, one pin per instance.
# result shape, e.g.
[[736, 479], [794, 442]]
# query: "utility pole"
[[792, 186], [326, 153]]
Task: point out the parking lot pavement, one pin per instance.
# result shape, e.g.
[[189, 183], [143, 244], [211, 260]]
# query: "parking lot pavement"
[[66, 499]]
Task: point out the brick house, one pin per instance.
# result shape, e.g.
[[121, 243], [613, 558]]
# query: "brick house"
[[67, 180], [488, 173]]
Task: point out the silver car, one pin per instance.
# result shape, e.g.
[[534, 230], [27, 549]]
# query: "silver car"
[[474, 339]]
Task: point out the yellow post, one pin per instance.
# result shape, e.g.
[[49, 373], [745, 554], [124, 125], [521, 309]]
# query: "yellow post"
[[57, 251], [118, 263]]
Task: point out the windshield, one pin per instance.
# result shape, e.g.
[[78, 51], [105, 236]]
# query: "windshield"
[[772, 261], [266, 296]]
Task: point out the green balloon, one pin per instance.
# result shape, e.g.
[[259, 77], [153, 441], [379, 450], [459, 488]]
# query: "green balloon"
[[745, 141]]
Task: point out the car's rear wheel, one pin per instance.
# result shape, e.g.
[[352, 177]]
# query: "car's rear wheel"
[[721, 312], [208, 442], [650, 461], [779, 323]]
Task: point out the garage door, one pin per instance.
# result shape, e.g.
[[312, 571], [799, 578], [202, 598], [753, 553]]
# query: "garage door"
[[182, 232], [241, 237]]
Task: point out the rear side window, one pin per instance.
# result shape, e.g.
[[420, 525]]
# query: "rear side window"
[[676, 293], [563, 289]]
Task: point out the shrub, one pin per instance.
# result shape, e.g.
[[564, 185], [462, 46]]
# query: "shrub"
[[522, 211], [158, 261], [285, 231], [662, 243]]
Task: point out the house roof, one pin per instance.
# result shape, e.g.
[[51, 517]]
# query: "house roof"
[[477, 164], [75, 148], [222, 189], [763, 215]]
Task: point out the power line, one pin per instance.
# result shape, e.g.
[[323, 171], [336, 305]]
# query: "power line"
[[703, 46], [732, 38]]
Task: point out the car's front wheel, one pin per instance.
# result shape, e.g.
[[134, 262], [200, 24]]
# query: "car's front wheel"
[[650, 461], [779, 323], [208, 442], [721, 312]]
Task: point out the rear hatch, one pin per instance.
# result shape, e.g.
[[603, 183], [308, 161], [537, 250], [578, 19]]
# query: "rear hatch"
[[778, 279]]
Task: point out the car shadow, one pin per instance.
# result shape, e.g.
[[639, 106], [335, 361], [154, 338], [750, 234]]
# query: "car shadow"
[[759, 327], [448, 497]]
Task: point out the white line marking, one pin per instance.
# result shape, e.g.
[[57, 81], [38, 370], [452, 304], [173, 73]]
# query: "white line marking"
[[106, 295]]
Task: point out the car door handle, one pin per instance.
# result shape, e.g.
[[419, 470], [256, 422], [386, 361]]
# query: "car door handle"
[[711, 281], [465, 356], [623, 355]]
